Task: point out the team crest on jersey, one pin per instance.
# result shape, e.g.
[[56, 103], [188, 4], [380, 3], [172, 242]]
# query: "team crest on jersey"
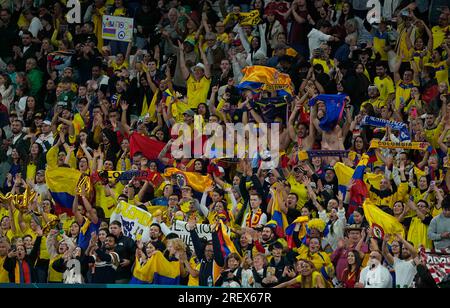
[[378, 231]]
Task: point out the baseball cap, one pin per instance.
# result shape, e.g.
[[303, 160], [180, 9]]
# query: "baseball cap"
[[189, 41], [47, 122], [189, 112], [199, 65], [40, 172]]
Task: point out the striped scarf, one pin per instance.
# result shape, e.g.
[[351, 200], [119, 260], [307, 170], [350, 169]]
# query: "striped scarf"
[[26, 272]]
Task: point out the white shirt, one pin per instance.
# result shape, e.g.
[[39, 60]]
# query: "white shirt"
[[338, 228], [316, 38], [35, 26], [49, 138], [405, 271], [379, 277]]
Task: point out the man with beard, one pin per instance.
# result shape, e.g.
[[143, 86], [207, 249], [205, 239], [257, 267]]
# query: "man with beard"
[[374, 99], [375, 274], [405, 266], [155, 237], [384, 83], [18, 139], [266, 238], [105, 258]]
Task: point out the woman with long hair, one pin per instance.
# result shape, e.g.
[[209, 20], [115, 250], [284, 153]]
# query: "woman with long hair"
[[35, 161], [350, 276], [31, 109]]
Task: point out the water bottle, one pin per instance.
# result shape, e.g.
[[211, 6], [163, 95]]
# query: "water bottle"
[[210, 281]]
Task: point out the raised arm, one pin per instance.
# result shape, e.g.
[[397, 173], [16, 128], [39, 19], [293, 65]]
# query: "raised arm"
[[78, 217], [205, 63], [389, 257], [184, 69], [123, 120], [90, 212]]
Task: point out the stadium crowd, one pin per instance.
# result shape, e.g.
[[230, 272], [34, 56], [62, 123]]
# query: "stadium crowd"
[[364, 142]]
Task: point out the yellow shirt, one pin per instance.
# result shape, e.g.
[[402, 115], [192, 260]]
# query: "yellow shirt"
[[3, 212], [117, 67], [78, 125], [432, 135], [403, 47], [385, 86], [193, 281], [300, 190], [54, 276], [4, 278], [320, 259], [31, 171], [441, 70], [324, 64], [314, 276], [108, 204], [403, 90], [416, 56], [197, 91], [438, 35], [377, 103], [378, 45]]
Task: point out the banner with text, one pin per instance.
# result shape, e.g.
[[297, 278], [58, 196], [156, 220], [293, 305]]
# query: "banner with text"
[[117, 28], [437, 262], [135, 221]]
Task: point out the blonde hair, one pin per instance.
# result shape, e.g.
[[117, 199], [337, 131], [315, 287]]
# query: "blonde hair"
[[177, 244]]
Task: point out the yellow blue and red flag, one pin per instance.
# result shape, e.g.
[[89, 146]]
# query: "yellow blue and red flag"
[[62, 183]]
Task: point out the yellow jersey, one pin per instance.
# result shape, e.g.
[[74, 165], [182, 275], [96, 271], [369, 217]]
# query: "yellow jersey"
[[385, 86], [326, 68], [377, 103], [379, 42], [300, 190], [403, 92], [197, 91], [4, 278], [438, 35], [441, 70]]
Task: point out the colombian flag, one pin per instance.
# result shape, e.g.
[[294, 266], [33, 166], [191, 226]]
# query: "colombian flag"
[[226, 247], [345, 173], [62, 184], [381, 222], [278, 217], [195, 180], [157, 270], [290, 230], [259, 78], [335, 104], [359, 189]]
